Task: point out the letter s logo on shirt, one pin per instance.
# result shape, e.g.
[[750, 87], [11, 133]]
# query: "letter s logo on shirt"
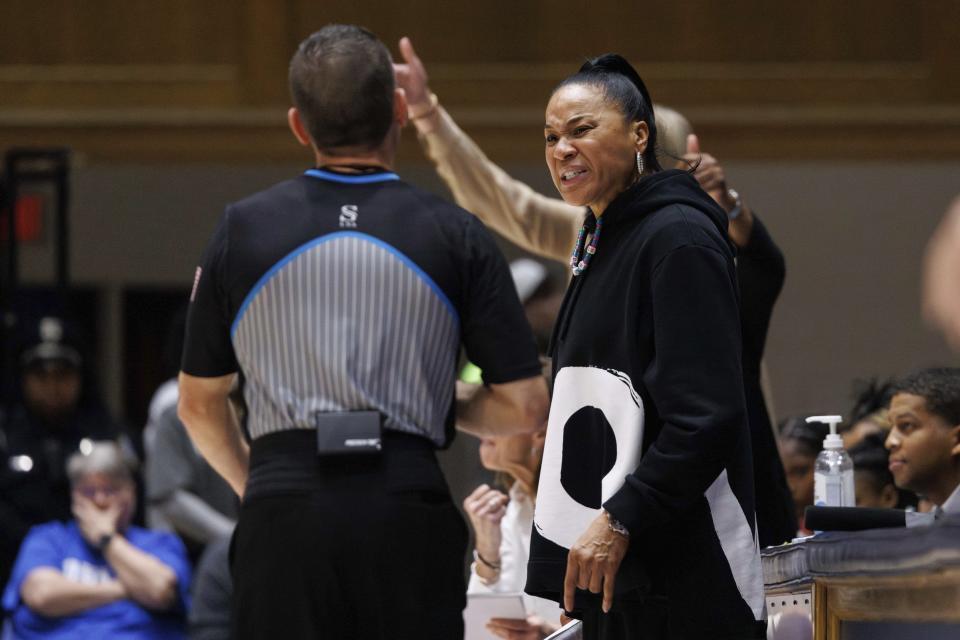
[[348, 216]]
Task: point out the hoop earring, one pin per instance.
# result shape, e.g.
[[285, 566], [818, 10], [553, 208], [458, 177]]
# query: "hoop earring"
[[639, 163]]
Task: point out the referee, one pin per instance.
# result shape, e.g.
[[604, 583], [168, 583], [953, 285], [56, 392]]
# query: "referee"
[[341, 298]]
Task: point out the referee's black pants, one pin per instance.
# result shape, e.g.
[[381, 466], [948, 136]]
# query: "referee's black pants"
[[331, 548]]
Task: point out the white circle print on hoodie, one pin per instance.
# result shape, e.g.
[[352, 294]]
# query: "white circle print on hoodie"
[[594, 440]]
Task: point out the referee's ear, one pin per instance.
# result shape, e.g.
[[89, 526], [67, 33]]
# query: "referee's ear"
[[297, 128], [400, 115]]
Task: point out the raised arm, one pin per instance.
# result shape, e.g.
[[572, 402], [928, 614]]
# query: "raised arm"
[[535, 222], [713, 179]]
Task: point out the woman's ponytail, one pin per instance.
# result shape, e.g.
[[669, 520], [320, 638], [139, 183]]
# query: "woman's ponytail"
[[624, 86]]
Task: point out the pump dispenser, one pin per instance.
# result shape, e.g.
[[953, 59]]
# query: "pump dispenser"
[[833, 470]]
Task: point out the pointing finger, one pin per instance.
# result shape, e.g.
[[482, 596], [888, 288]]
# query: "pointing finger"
[[570, 582], [406, 50], [411, 57], [608, 582]]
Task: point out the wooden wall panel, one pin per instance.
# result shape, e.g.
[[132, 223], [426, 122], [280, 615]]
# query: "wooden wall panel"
[[745, 31], [813, 79], [108, 54], [117, 32]]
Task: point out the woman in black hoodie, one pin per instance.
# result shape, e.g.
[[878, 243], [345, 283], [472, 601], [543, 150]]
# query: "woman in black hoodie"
[[644, 524]]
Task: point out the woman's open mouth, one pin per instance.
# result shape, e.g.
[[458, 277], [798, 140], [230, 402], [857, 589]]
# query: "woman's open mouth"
[[571, 176]]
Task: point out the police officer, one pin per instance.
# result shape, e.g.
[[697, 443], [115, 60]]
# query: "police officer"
[[55, 415]]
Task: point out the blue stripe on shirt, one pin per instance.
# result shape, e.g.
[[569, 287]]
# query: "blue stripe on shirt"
[[413, 266]]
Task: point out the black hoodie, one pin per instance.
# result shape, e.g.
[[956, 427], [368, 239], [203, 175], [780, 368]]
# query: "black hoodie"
[[648, 417]]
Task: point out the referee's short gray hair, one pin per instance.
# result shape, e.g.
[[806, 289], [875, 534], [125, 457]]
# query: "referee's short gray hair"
[[104, 456]]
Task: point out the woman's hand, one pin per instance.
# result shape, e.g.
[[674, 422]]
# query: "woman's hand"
[[412, 78], [593, 562], [486, 507], [533, 628]]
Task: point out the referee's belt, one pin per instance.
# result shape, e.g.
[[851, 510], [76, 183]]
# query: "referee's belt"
[[286, 462]]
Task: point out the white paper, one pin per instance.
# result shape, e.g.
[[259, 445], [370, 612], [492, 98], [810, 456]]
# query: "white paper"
[[573, 630], [483, 606]]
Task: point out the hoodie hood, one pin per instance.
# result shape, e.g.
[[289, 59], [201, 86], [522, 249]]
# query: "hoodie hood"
[[662, 189]]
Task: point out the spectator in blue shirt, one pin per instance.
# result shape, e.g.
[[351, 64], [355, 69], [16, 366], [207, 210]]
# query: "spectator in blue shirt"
[[98, 576]]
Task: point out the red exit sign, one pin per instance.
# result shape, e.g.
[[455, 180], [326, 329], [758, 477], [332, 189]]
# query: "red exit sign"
[[28, 220]]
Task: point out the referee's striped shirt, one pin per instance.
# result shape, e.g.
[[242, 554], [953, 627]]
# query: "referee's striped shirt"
[[335, 292]]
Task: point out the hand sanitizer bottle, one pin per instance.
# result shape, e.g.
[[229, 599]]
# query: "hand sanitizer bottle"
[[833, 470]]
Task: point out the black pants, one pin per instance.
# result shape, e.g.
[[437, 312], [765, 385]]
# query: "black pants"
[[651, 621], [640, 622], [372, 549]]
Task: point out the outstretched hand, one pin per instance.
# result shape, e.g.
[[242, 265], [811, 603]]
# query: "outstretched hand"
[[411, 76], [709, 173]]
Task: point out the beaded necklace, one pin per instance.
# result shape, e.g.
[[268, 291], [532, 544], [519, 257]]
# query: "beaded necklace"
[[580, 259]]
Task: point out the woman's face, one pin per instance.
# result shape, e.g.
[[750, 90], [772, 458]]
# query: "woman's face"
[[591, 150], [506, 452]]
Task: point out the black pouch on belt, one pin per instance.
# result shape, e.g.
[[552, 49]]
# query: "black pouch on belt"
[[349, 433]]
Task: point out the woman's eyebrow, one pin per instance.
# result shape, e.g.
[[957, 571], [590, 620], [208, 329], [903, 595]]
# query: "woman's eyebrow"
[[572, 120], [902, 414]]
